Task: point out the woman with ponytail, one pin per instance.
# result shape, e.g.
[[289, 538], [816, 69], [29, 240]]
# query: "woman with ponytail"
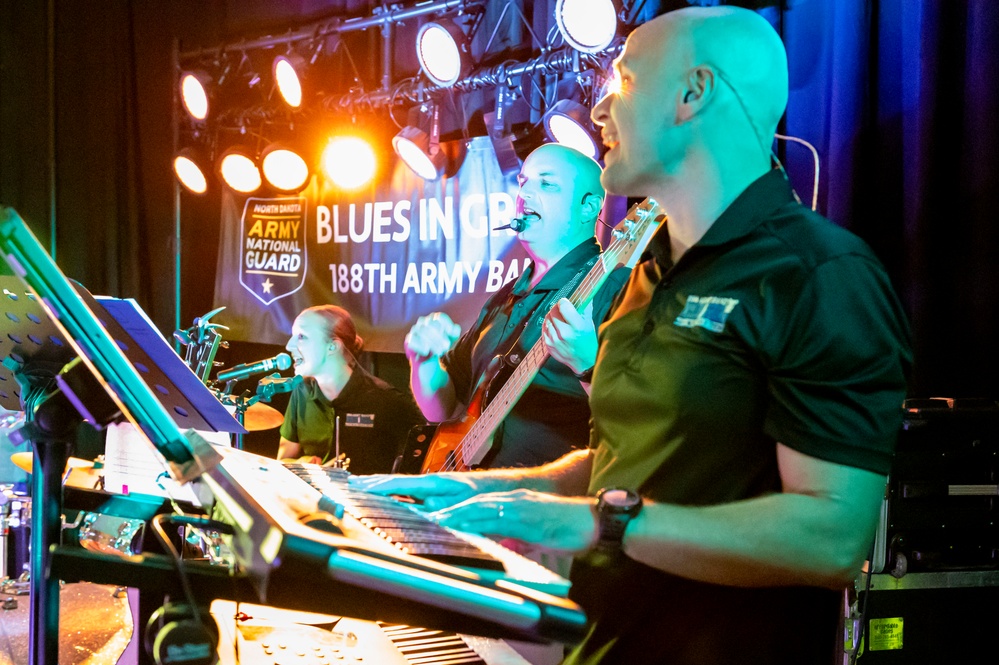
[[340, 408]]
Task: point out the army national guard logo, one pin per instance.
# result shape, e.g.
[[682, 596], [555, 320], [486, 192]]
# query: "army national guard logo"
[[273, 261]]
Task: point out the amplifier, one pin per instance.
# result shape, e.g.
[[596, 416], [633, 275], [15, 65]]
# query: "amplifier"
[[941, 507], [928, 618]]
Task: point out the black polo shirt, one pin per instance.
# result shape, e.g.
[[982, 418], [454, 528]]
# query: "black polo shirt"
[[552, 417], [375, 420], [776, 326]]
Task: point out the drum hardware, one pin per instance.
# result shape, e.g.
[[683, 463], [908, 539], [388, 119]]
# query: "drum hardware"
[[15, 523], [21, 586], [251, 412], [210, 545], [111, 535]]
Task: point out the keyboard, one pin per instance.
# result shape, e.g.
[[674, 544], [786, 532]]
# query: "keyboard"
[[268, 636], [371, 557]]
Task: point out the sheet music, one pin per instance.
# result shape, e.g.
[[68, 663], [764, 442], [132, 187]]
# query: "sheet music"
[[131, 466]]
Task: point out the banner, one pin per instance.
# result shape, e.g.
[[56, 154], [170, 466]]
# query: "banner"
[[388, 254]]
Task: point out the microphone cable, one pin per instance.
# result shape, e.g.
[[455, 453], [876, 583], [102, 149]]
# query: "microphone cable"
[[815, 165]]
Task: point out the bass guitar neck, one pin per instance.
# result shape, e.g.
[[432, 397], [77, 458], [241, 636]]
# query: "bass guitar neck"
[[462, 444]]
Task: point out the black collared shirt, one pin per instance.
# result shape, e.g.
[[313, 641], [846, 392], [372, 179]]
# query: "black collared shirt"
[[777, 326], [375, 419], [552, 417]]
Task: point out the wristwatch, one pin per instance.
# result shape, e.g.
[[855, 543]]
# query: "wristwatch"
[[615, 509]]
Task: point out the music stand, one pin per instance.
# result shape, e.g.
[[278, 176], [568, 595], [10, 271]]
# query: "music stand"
[[26, 333], [54, 411], [25, 325], [188, 401]]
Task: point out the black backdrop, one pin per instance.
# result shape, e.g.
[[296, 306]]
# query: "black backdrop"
[[899, 96]]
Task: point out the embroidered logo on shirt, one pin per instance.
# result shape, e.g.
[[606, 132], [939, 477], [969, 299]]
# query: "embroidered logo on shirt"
[[709, 312], [360, 420]]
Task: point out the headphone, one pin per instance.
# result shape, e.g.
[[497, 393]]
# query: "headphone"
[[175, 633]]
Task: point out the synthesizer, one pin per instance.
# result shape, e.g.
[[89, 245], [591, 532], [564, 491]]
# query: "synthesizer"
[[268, 636], [315, 549]]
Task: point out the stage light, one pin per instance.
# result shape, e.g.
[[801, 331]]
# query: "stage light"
[[568, 122], [349, 162], [440, 46], [284, 169], [286, 70], [418, 144], [194, 93], [189, 169], [239, 171], [586, 25]]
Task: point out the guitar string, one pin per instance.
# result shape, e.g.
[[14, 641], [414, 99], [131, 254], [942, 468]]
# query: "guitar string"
[[591, 282]]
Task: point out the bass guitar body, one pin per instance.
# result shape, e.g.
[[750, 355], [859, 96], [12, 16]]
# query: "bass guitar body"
[[447, 452]]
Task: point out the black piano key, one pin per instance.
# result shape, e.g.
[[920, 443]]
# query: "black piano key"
[[398, 523], [420, 646]]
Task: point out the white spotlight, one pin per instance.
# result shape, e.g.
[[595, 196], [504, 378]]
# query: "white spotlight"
[[188, 168], [194, 94], [439, 46], [239, 171], [568, 122], [286, 70], [418, 144], [586, 25], [284, 169]]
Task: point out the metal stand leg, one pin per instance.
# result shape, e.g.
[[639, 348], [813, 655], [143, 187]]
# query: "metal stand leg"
[[48, 463]]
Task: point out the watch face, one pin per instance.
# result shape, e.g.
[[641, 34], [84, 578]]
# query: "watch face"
[[617, 498]]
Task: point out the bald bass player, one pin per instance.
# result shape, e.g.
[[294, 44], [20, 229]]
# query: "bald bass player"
[[558, 202]]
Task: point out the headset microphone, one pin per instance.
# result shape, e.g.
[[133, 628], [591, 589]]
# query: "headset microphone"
[[518, 224]]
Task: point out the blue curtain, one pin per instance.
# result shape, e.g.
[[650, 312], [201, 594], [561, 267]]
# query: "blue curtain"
[[900, 97]]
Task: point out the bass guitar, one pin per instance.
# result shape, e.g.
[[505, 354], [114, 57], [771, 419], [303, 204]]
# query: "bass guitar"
[[460, 444]]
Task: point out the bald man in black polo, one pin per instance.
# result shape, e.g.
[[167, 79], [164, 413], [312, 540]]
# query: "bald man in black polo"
[[748, 389], [559, 199]]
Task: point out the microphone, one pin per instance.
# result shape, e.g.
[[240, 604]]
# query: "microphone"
[[273, 384], [518, 224], [280, 361]]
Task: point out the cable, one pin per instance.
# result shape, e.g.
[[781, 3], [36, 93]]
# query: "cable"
[[815, 161], [859, 642], [161, 535]]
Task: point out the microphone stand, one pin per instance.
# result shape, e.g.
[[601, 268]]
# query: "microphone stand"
[[242, 402]]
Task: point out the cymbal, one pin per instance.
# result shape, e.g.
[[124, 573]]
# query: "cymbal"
[[261, 416], [22, 460]]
